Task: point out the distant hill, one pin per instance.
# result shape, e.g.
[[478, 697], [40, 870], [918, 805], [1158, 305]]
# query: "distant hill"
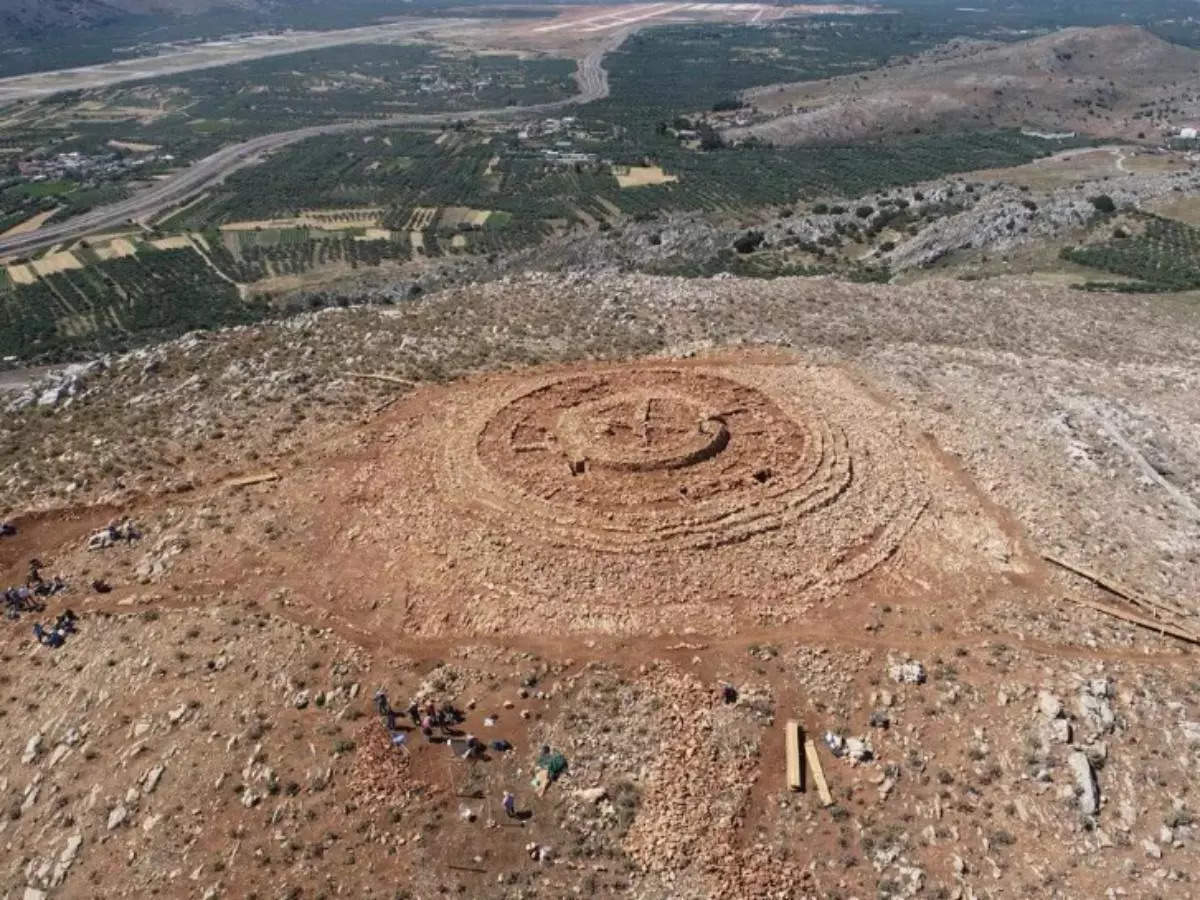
[[1099, 81], [39, 19], [30, 18], [42, 21]]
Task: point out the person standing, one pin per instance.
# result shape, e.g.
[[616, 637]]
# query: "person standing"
[[510, 805]]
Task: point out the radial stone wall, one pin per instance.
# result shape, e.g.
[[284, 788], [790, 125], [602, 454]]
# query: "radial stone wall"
[[706, 488]]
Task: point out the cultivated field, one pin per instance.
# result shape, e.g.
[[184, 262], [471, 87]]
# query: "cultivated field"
[[33, 223], [640, 176]]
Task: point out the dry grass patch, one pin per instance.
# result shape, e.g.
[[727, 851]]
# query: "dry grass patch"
[[133, 146], [641, 176], [54, 263], [21, 275], [175, 242], [33, 223], [375, 234]]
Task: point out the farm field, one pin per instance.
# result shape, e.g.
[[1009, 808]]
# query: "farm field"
[[642, 176], [86, 148], [498, 171], [1152, 253], [110, 304], [33, 223], [189, 115], [407, 197]]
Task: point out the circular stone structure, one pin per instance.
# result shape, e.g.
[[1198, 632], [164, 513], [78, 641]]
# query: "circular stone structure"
[[666, 458], [637, 431], [738, 489]]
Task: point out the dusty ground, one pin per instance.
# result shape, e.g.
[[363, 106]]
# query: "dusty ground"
[[792, 487], [1072, 167]]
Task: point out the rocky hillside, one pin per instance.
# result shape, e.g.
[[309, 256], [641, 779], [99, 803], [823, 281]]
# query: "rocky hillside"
[[1063, 81], [209, 728], [33, 19], [25, 19]]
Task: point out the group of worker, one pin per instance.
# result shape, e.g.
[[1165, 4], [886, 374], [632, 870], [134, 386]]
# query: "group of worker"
[[445, 718], [26, 597], [429, 716], [56, 636]]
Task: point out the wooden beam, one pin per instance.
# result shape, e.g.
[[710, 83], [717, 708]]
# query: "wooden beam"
[[390, 379], [248, 480], [1120, 590], [818, 774], [1176, 629], [792, 747], [1150, 624]]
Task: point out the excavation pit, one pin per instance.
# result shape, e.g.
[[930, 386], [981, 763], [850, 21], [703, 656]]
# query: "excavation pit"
[[640, 431]]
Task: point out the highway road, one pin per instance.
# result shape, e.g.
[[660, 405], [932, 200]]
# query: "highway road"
[[211, 170]]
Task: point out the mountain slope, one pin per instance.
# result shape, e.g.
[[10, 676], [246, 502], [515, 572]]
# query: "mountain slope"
[[40, 19], [1092, 80], [26, 18]]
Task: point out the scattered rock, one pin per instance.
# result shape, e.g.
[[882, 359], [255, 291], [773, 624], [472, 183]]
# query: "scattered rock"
[[855, 749], [32, 749], [152, 779], [1049, 705], [1060, 731], [117, 817], [1085, 783], [1095, 710], [65, 859], [907, 673]]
